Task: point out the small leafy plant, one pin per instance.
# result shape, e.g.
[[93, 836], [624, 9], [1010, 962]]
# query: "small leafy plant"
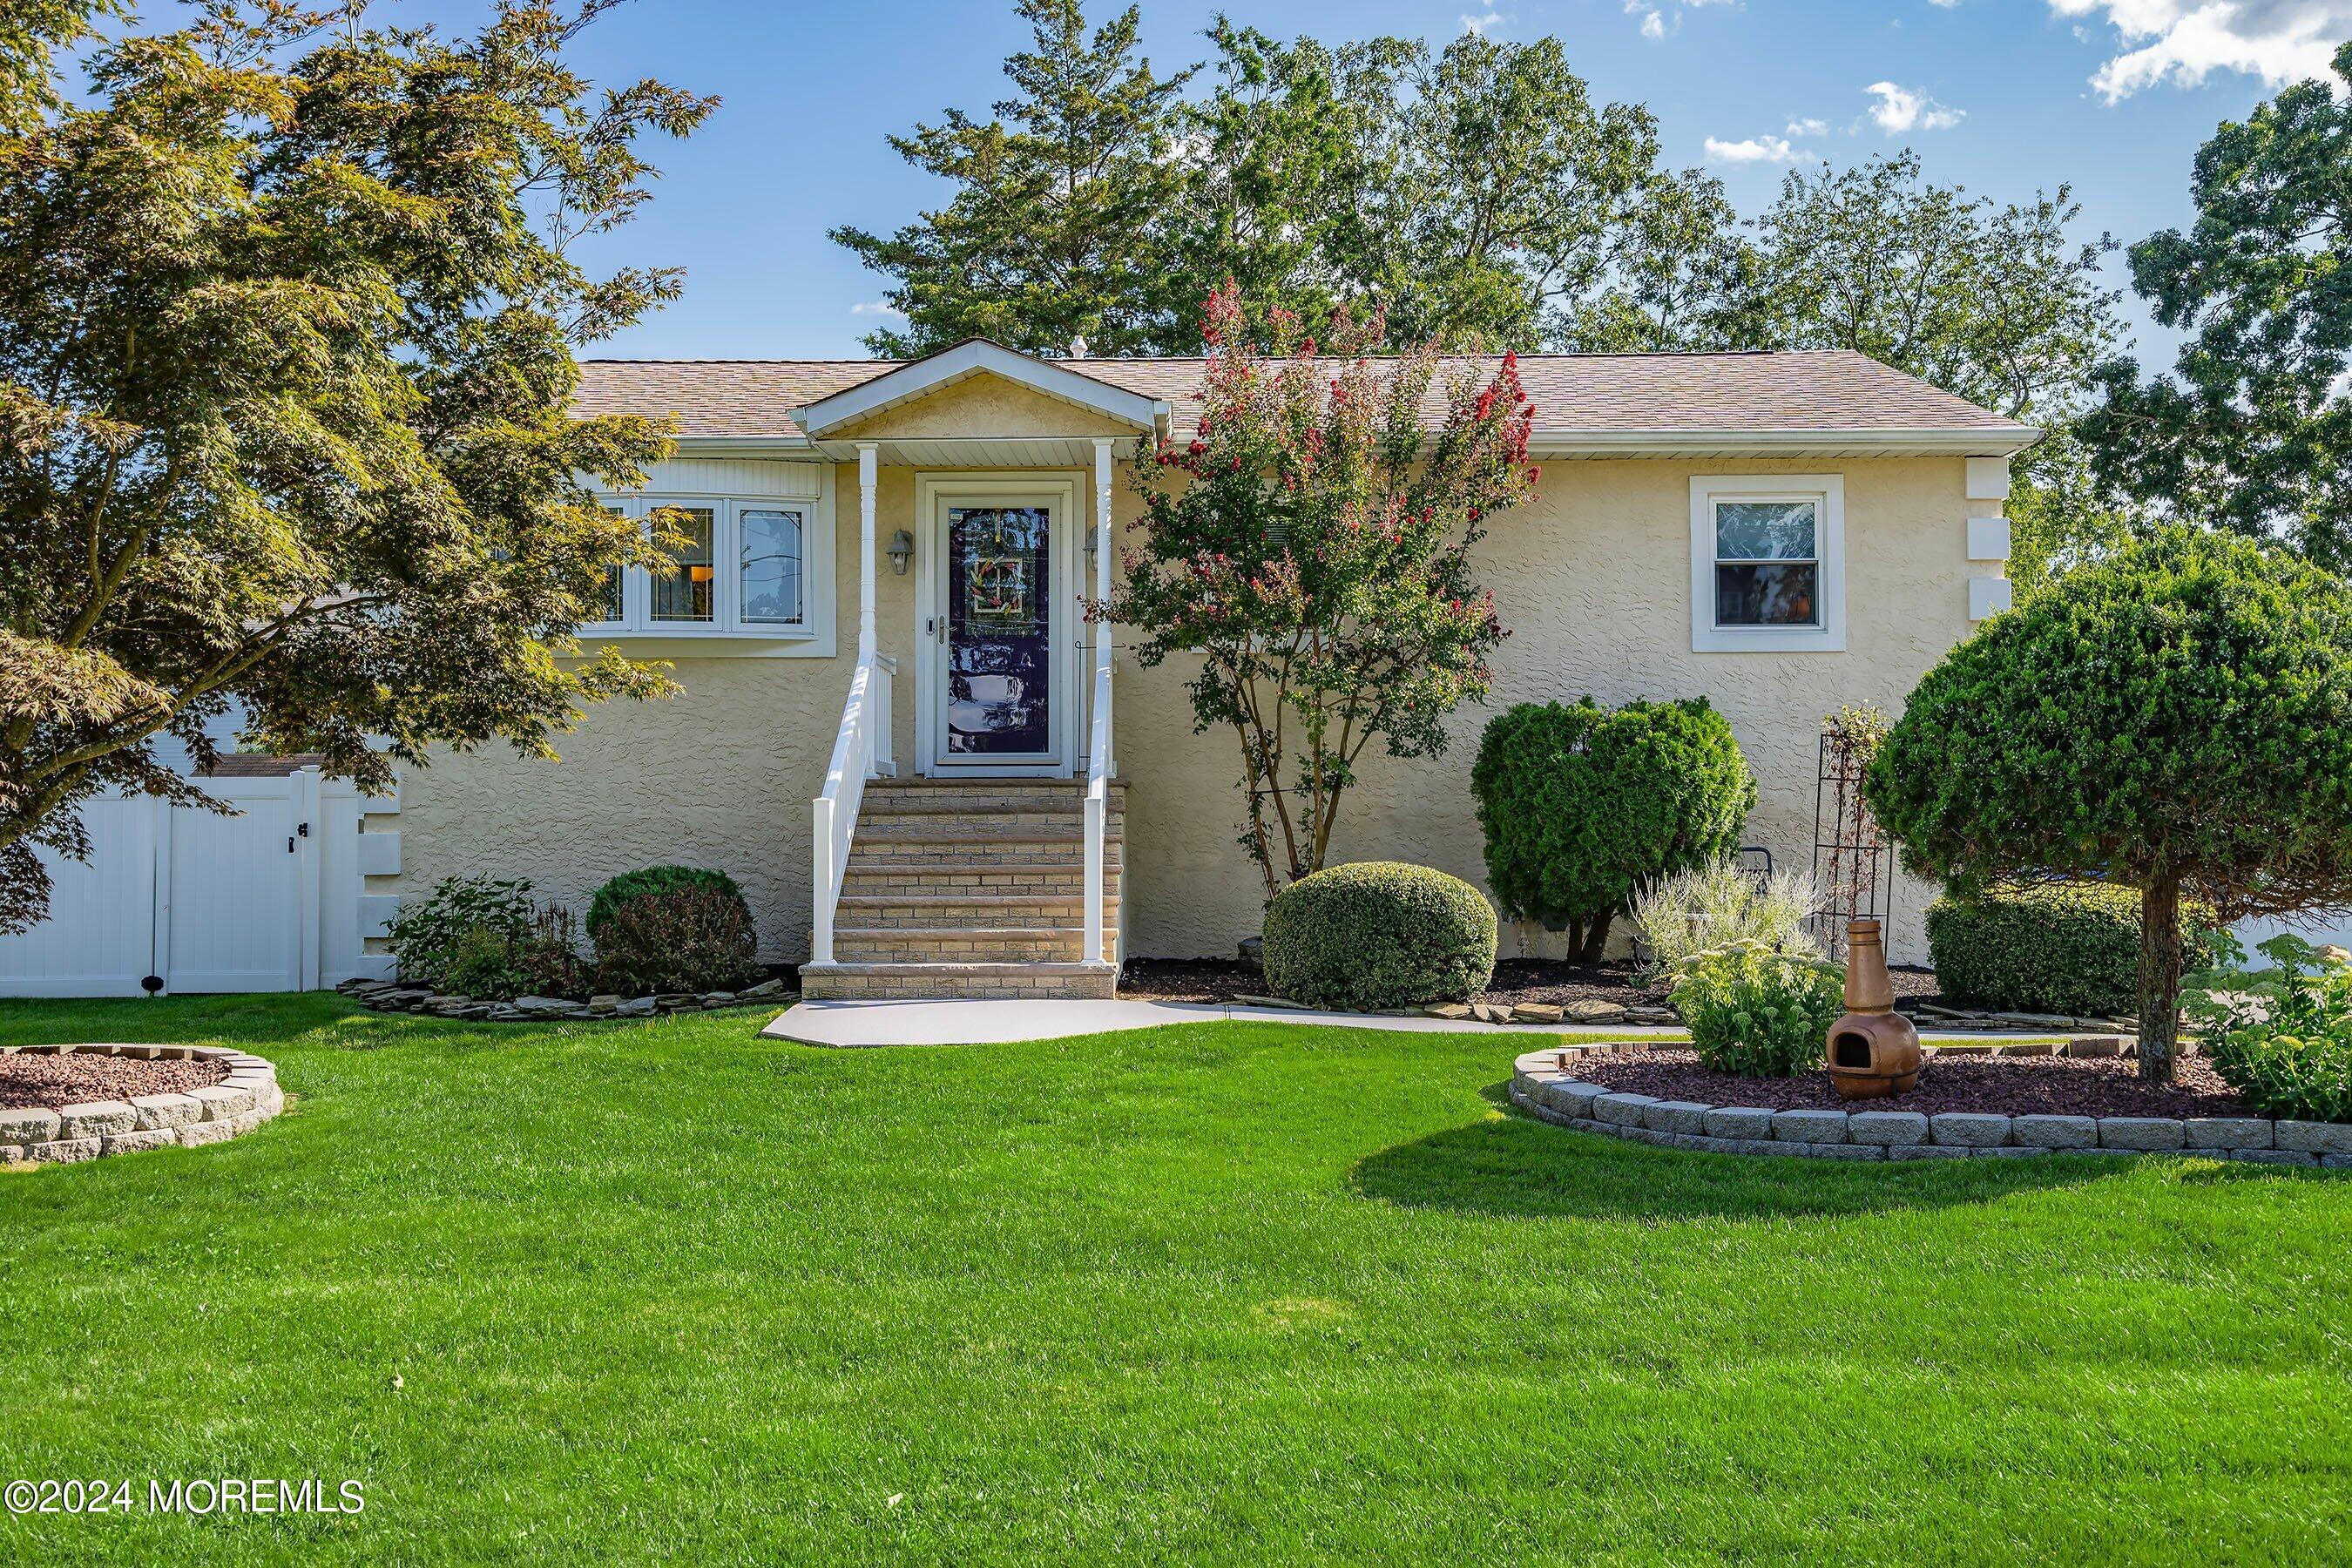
[[1757, 1011], [484, 938], [461, 919], [2280, 1036]]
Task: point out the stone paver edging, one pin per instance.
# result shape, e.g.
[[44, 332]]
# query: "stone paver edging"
[[240, 1102], [392, 997], [1544, 1084]]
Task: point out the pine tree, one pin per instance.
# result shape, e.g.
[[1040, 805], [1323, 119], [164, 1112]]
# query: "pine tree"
[[1053, 232]]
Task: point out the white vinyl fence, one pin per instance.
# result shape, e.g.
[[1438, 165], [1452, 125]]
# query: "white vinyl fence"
[[272, 899]]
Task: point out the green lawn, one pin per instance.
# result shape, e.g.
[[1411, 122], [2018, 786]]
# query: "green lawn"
[[1238, 1293]]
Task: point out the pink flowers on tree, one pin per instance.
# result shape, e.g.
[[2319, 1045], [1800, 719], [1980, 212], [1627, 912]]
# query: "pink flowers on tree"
[[1311, 544]]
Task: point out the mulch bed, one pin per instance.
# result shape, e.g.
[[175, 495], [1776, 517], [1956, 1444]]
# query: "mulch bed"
[[47, 1082], [2014, 1085], [1516, 980]]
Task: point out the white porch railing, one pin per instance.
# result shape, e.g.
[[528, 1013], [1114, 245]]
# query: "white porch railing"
[[1098, 748], [861, 747]]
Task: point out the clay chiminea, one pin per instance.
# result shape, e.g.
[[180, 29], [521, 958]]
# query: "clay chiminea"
[[1874, 1049]]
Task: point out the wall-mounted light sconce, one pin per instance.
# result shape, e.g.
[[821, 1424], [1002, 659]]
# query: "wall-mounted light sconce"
[[1094, 548], [901, 551]]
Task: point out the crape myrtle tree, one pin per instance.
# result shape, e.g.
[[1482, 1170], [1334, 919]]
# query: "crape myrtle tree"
[[1311, 548], [288, 312], [2175, 718]]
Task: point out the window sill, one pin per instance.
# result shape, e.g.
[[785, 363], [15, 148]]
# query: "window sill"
[[1767, 639], [688, 642]]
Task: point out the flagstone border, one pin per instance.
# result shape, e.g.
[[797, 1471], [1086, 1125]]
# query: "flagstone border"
[[240, 1102], [1545, 1085]]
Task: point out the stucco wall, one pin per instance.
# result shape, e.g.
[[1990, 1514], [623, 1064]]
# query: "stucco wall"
[[1592, 577]]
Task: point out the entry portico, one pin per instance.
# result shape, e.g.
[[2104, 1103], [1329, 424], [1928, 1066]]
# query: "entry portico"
[[965, 884]]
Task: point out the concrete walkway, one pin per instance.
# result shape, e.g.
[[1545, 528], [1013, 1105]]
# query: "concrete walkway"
[[995, 1023]]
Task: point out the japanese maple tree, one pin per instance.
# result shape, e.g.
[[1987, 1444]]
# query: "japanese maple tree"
[[1311, 548]]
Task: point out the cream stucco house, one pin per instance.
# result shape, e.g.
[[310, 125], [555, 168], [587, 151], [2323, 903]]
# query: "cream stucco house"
[[932, 777]]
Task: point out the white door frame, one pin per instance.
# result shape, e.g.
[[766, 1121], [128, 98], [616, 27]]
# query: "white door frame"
[[1063, 493]]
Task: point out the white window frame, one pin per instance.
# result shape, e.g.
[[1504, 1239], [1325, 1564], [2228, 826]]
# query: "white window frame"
[[1827, 492], [727, 633]]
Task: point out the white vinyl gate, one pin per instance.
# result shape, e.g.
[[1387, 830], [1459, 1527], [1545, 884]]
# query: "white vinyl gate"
[[272, 899]]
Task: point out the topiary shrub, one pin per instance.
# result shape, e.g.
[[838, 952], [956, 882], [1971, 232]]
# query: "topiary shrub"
[[1581, 805], [1379, 934], [2170, 718], [2053, 947], [658, 880], [689, 939], [1756, 1012]]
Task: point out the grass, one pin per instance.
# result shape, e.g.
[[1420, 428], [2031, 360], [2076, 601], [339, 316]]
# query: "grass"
[[1230, 1293]]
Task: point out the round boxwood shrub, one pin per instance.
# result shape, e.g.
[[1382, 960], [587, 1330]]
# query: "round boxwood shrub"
[[1379, 934], [653, 879], [1582, 804], [2053, 947]]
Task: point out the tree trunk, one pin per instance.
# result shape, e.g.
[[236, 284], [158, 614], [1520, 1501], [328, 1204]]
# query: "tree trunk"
[[2159, 976], [1596, 940]]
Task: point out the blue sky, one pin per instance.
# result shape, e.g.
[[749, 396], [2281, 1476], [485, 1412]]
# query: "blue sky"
[[2002, 96]]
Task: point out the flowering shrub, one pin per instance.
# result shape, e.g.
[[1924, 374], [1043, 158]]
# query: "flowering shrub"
[[2282, 1037], [1756, 1012], [1313, 549]]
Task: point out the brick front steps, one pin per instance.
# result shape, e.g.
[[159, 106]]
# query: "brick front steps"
[[1545, 1085], [973, 887], [240, 1102]]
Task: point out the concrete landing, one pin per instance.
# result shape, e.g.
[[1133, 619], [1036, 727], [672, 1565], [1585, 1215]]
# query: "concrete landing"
[[978, 1022]]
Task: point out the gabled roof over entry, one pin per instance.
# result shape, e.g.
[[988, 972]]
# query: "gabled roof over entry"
[[977, 356], [1827, 402]]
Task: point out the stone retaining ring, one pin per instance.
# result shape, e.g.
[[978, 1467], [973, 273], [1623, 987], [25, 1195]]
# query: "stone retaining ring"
[[1544, 1084], [240, 1102]]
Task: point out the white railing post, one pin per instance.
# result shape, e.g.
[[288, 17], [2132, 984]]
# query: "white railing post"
[[862, 745], [822, 881]]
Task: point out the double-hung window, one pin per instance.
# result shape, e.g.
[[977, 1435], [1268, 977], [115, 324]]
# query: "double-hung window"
[[752, 568], [1768, 564]]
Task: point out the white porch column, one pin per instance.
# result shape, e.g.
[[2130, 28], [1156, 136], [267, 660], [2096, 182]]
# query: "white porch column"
[[1102, 559], [1102, 534], [866, 631]]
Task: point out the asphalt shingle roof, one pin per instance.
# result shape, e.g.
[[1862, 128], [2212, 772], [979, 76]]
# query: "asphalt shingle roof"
[[1731, 393]]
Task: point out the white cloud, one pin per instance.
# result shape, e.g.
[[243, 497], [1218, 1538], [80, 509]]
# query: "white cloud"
[[1479, 23], [2183, 41], [1754, 150], [1807, 127], [1660, 17], [1899, 109], [877, 308], [1945, 5]]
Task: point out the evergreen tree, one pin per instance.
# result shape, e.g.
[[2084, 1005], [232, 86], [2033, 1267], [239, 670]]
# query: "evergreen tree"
[[1056, 229]]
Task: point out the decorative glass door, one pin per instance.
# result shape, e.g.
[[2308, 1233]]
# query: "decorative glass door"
[[999, 653]]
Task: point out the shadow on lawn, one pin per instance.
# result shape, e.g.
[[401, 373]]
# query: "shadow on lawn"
[[1512, 1164]]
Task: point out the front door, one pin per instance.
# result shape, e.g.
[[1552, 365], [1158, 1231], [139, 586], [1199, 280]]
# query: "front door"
[[996, 698]]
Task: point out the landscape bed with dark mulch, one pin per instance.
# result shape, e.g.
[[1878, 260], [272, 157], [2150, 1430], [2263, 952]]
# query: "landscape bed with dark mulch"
[[2013, 1086], [1516, 980], [47, 1082]]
